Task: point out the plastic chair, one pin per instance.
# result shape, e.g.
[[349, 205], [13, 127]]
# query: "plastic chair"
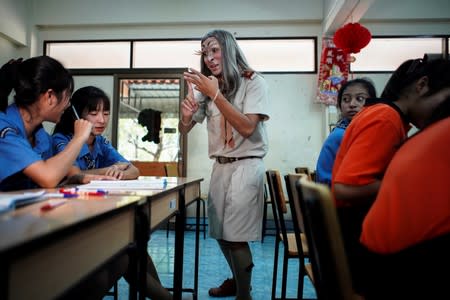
[[291, 250], [332, 278]]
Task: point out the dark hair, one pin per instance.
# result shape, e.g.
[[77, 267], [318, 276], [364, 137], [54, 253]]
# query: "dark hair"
[[84, 99], [365, 82], [437, 71], [234, 63], [442, 111], [31, 78]]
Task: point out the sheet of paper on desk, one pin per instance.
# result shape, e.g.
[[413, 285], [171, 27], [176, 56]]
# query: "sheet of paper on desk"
[[147, 184], [10, 201]]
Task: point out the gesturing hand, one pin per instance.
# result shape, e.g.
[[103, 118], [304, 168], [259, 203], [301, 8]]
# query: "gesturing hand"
[[206, 85], [189, 106]]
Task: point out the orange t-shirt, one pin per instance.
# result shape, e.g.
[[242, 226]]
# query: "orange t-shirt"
[[413, 204], [369, 144]]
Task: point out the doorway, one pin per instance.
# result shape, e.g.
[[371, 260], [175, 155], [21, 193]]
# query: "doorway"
[[146, 115]]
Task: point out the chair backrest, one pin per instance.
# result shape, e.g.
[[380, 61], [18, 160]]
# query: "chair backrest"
[[294, 202], [303, 170], [278, 201], [332, 278], [171, 170]]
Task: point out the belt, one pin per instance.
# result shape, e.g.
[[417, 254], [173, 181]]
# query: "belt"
[[227, 160]]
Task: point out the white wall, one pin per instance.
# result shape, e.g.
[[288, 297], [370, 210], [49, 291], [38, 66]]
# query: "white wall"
[[13, 29]]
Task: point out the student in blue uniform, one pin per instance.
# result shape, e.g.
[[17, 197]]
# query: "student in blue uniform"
[[43, 88], [350, 100], [42, 92], [97, 155]]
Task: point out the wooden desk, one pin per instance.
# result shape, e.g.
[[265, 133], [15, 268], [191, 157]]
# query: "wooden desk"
[[72, 241], [44, 254]]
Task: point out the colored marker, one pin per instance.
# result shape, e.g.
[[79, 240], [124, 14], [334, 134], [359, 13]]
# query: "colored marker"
[[51, 204]]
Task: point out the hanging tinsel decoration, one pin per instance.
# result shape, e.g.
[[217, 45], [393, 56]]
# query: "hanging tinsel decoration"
[[334, 66], [352, 37]]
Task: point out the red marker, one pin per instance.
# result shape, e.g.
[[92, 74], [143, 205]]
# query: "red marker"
[[51, 204]]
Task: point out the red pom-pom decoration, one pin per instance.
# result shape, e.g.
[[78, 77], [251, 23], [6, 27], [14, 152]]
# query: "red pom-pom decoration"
[[352, 37]]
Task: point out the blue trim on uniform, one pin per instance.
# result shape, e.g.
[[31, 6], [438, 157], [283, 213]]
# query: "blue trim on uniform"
[[327, 155], [103, 154]]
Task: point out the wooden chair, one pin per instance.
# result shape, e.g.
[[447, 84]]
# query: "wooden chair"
[[332, 278], [171, 170], [267, 201], [291, 250], [114, 291], [298, 224], [303, 170]]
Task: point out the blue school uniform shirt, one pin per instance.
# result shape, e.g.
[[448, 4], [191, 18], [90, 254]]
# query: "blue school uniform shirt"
[[328, 152], [103, 154], [16, 152]]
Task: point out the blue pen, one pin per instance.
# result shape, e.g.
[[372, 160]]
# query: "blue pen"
[[61, 195], [75, 112]]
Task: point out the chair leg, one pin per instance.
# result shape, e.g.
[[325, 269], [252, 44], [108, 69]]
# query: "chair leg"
[[167, 228], [275, 269], [301, 278], [284, 276], [264, 222], [115, 291], [204, 218]]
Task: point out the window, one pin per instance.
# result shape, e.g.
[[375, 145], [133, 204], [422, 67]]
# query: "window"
[[386, 54], [89, 55], [166, 54], [275, 55]]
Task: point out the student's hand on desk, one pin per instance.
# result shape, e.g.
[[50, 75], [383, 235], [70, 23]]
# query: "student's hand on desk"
[[115, 171], [86, 178]]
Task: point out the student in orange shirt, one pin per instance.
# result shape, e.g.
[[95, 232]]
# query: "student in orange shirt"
[[414, 90], [408, 225]]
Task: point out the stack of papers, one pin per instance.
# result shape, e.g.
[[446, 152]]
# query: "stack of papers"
[[126, 185], [9, 201]]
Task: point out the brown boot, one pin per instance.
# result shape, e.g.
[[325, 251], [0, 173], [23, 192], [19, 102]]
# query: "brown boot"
[[226, 289]]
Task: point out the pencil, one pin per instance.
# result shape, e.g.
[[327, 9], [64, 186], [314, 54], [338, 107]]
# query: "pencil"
[[75, 112]]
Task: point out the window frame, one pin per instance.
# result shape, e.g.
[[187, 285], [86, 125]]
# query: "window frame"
[[108, 71], [444, 51]]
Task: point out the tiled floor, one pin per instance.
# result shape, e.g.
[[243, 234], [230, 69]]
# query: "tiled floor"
[[213, 268]]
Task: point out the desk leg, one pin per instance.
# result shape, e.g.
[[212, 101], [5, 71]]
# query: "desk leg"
[[142, 237], [180, 222], [197, 248], [132, 291]]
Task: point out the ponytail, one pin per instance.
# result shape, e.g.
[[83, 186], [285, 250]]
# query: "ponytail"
[[8, 78], [31, 78]]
